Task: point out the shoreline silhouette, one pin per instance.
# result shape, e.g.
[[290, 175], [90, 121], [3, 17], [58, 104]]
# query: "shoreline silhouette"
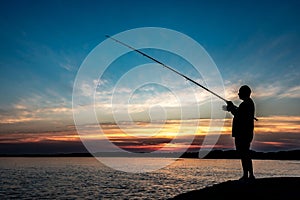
[[270, 187], [214, 154]]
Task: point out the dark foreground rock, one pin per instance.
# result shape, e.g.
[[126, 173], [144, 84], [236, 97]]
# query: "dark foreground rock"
[[271, 188]]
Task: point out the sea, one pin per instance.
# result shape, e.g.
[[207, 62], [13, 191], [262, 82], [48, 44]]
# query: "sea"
[[89, 178]]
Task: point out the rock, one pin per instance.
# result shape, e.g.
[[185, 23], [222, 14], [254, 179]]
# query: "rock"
[[271, 188]]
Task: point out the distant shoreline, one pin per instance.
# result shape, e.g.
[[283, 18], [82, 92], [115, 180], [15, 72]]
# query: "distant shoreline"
[[215, 154]]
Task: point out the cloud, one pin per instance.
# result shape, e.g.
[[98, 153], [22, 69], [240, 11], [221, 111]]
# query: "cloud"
[[268, 91], [49, 109], [271, 133], [67, 66], [39, 136], [278, 124], [127, 100], [274, 90], [293, 92]]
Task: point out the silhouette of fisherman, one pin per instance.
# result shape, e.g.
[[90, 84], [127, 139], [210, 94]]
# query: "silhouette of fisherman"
[[243, 128]]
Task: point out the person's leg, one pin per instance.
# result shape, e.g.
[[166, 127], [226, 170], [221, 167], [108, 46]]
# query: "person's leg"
[[249, 160], [245, 168], [250, 167], [240, 148]]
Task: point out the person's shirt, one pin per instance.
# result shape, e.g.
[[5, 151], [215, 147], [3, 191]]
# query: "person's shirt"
[[243, 120]]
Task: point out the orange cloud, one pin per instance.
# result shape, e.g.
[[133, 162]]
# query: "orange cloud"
[[270, 132]]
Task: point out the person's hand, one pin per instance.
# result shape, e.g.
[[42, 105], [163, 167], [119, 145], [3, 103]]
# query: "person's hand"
[[224, 108], [229, 106]]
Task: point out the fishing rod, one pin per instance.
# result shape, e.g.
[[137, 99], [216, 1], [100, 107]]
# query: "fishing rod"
[[166, 66], [170, 68]]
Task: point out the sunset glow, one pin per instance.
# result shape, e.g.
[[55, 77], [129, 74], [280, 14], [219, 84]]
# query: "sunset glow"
[[49, 105], [270, 133]]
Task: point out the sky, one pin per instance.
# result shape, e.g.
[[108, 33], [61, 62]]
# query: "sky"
[[44, 44]]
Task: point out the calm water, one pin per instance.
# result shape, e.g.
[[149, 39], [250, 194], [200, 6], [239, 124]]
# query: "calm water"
[[87, 178]]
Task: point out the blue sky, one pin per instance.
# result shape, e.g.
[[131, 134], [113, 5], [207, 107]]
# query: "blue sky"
[[43, 44]]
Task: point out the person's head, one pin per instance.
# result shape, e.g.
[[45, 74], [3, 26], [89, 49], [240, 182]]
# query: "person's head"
[[244, 92]]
